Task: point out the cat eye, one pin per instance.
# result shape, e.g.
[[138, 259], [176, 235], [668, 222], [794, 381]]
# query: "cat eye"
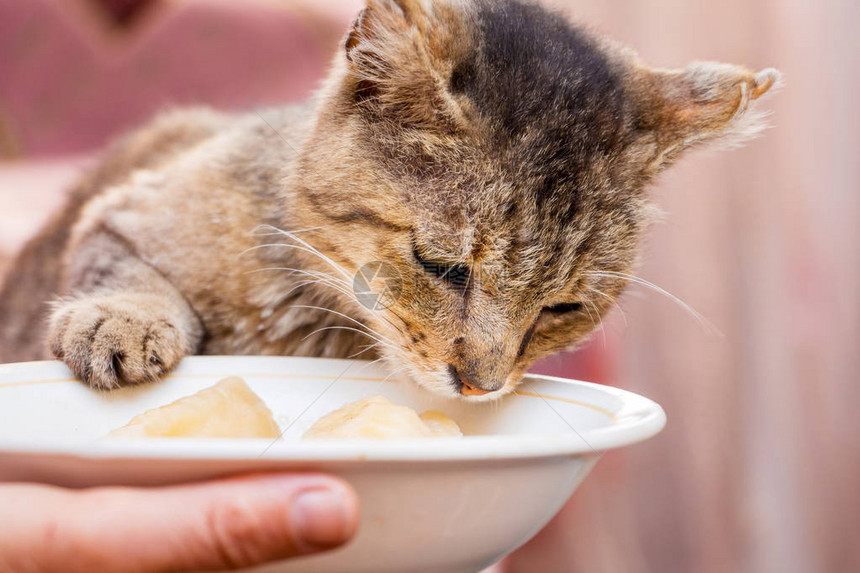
[[564, 308], [455, 274]]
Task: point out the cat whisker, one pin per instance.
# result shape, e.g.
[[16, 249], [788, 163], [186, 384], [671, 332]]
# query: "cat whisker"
[[274, 231], [314, 277], [346, 286], [402, 331], [599, 292], [318, 278], [590, 317], [332, 283], [369, 364], [315, 251], [304, 249], [348, 328], [704, 322], [393, 373], [393, 326], [350, 293], [599, 321], [302, 285], [319, 275], [367, 348], [301, 246], [349, 318], [613, 302], [594, 324]]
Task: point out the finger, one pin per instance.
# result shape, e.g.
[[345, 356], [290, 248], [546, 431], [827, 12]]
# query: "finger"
[[227, 524]]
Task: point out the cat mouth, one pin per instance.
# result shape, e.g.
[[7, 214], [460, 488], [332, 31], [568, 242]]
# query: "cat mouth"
[[445, 380], [466, 387]]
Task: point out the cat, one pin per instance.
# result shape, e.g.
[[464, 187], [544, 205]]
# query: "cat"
[[487, 160]]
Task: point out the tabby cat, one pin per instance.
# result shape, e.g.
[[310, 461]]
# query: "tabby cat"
[[486, 156]]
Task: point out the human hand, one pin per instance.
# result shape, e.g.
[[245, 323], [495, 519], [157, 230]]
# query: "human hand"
[[224, 524]]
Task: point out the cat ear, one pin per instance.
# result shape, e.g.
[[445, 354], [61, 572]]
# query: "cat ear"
[[704, 102], [381, 23], [398, 53]]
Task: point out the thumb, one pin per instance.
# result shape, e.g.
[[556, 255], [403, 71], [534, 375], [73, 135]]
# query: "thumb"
[[226, 524]]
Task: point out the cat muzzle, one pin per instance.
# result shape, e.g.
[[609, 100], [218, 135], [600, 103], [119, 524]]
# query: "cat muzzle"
[[466, 386]]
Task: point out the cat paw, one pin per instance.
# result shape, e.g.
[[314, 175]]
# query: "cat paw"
[[117, 340]]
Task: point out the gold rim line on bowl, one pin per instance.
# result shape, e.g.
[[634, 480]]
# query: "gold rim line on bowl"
[[594, 407]]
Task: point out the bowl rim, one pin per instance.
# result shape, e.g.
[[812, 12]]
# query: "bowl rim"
[[637, 419]]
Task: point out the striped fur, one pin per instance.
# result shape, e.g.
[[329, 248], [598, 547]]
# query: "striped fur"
[[493, 138]]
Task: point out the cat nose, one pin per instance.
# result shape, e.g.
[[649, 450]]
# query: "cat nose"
[[466, 386]]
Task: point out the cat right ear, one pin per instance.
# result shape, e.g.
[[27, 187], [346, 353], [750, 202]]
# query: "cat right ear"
[[381, 23], [397, 53]]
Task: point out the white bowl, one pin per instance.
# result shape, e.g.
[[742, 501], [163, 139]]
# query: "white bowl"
[[440, 505]]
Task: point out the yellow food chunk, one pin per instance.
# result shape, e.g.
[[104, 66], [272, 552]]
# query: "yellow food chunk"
[[227, 410], [380, 419], [440, 424]]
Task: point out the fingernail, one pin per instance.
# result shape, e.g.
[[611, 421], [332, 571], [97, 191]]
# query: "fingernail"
[[322, 518]]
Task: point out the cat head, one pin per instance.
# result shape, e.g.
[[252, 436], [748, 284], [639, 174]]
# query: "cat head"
[[493, 157]]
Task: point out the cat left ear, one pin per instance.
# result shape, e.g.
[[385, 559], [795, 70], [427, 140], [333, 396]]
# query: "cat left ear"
[[704, 102]]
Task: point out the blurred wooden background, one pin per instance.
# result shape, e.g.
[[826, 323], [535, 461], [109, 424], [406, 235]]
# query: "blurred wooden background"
[[759, 466]]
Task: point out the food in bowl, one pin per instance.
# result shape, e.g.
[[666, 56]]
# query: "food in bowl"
[[420, 498], [379, 418], [230, 409]]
